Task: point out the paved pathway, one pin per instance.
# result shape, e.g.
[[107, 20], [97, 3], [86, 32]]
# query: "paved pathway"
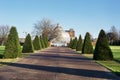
[[55, 63]]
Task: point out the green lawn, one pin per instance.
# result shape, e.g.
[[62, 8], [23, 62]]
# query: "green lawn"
[[116, 52], [112, 65], [2, 48]]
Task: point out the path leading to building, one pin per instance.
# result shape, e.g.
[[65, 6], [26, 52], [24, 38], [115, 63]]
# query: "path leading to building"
[[55, 63]]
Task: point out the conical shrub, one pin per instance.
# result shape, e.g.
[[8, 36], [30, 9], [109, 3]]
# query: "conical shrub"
[[45, 40], [87, 45], [36, 43], [79, 44], [12, 47], [74, 44], [28, 45], [102, 50], [42, 42]]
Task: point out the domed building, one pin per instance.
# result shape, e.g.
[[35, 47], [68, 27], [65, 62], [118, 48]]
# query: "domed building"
[[62, 38]]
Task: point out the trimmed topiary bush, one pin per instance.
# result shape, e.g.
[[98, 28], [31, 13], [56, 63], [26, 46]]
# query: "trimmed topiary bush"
[[45, 40], [42, 42], [79, 44], [12, 46], [36, 43], [102, 50], [87, 45], [74, 44], [28, 45]]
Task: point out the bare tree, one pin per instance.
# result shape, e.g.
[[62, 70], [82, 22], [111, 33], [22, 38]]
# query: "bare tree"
[[4, 30], [115, 33], [44, 28]]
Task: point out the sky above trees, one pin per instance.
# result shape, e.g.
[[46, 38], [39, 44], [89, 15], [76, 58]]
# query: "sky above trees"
[[81, 15]]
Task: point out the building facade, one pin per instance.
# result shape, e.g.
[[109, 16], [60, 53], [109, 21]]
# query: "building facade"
[[62, 37], [71, 32]]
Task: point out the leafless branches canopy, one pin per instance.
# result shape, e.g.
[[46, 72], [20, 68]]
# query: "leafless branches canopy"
[[43, 27]]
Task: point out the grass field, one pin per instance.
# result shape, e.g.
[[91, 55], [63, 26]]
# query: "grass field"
[[2, 48], [116, 52]]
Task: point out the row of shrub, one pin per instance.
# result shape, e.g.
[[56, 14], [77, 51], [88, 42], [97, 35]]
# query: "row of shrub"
[[102, 50], [80, 45], [13, 48], [37, 44]]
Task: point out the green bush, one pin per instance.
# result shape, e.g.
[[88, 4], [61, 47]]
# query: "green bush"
[[36, 43], [12, 46], [74, 44], [42, 42], [45, 40], [87, 45], [79, 44], [28, 45], [102, 49]]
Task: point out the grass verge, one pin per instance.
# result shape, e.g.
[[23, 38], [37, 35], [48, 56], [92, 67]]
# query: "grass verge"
[[8, 61], [112, 65]]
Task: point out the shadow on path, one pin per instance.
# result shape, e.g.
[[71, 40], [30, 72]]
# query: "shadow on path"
[[60, 56], [71, 71]]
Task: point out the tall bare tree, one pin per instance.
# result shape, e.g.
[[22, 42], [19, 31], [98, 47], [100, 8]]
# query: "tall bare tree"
[[115, 33], [4, 30], [44, 28]]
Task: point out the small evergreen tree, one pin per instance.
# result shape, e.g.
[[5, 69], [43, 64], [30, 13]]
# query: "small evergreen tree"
[[12, 47], [87, 45], [102, 49], [28, 45], [45, 40], [36, 43], [79, 44], [42, 42], [74, 43]]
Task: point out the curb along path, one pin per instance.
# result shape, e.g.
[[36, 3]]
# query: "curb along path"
[[55, 63]]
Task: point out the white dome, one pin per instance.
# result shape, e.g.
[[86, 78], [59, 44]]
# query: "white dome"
[[62, 37], [65, 37]]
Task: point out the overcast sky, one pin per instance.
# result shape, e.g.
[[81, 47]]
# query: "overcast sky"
[[81, 15]]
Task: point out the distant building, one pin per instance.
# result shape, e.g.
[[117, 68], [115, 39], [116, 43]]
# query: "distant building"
[[71, 33], [62, 37]]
